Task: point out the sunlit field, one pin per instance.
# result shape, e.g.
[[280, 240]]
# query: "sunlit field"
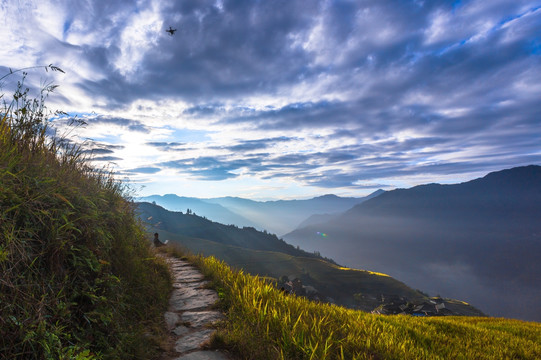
[[265, 323]]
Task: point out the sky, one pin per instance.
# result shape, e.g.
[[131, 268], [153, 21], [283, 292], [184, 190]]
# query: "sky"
[[286, 99]]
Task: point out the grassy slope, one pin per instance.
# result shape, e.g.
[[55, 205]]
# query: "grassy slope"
[[79, 279], [329, 279], [264, 323], [199, 227]]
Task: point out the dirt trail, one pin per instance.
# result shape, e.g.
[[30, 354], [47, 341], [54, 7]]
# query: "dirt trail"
[[190, 314]]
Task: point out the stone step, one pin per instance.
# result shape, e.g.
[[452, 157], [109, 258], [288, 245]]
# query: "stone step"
[[190, 316]]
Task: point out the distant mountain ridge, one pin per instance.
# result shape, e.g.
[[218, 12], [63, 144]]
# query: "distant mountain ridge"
[[506, 192], [471, 240], [201, 207], [277, 217]]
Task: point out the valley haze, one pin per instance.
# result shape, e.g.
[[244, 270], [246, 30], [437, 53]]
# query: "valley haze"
[[477, 241]]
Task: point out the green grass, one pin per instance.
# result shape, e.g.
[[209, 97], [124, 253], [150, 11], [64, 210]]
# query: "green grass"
[[264, 323], [79, 279]]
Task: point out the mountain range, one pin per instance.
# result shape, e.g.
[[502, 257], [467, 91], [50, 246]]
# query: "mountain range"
[[277, 217], [479, 241]]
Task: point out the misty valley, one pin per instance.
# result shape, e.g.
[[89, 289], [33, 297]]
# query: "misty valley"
[[477, 242]]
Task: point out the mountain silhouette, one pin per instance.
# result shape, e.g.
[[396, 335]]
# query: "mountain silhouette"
[[479, 241]]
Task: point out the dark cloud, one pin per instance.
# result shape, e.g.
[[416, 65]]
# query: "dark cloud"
[[224, 167], [106, 158], [260, 144], [299, 160], [98, 151], [338, 157], [392, 51], [420, 87], [205, 110], [94, 148], [291, 116], [168, 146], [144, 170], [331, 179], [131, 125], [207, 168], [242, 47]]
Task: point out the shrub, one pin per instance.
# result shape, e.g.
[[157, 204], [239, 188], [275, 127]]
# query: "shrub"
[[79, 279]]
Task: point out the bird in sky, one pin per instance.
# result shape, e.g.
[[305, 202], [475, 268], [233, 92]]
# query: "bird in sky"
[[171, 31]]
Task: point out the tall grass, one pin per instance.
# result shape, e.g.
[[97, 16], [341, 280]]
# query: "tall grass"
[[264, 323], [79, 279]]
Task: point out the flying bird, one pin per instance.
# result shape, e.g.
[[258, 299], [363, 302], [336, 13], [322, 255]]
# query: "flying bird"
[[171, 31]]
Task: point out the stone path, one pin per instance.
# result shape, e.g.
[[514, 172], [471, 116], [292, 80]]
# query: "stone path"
[[190, 316]]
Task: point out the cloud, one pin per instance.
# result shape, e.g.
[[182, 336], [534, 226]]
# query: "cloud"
[[205, 168], [131, 125], [106, 158], [204, 109], [144, 170], [98, 151], [259, 144], [294, 115], [167, 146], [320, 93]]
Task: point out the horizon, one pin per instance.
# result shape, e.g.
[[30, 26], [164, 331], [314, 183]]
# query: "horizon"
[[238, 197], [263, 102], [330, 194]]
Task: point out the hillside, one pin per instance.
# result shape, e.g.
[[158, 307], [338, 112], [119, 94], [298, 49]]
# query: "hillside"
[[265, 323], [79, 280], [260, 253], [478, 241], [208, 209], [191, 225]]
